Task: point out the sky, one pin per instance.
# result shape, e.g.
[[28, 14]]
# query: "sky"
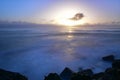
[[51, 11]]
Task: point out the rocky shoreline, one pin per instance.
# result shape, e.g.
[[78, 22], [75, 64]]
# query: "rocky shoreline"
[[111, 73], [7, 75]]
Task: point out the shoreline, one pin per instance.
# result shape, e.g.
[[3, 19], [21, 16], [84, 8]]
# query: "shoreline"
[[110, 73]]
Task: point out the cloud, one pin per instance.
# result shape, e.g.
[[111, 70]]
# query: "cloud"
[[77, 16]]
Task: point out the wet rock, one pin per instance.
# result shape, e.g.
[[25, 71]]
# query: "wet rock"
[[7, 75], [52, 76], [77, 76], [87, 72], [98, 76], [116, 64], [66, 74], [109, 58], [111, 74]]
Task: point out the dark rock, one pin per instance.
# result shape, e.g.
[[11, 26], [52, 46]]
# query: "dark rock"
[[87, 72], [77, 76], [7, 75], [111, 74], [98, 76], [52, 76], [116, 64], [109, 58], [66, 74]]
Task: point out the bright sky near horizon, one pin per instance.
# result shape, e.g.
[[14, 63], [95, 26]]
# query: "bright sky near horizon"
[[51, 11]]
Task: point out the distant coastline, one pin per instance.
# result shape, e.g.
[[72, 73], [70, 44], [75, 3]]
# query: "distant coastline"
[[20, 23]]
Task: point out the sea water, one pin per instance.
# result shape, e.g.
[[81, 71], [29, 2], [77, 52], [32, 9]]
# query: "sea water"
[[37, 51]]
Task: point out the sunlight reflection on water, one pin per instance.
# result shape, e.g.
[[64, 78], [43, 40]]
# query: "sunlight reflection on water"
[[70, 31]]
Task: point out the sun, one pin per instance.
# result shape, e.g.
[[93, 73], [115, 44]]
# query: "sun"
[[63, 18], [68, 22]]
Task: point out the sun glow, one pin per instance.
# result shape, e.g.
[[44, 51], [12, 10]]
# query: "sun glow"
[[68, 22], [63, 18]]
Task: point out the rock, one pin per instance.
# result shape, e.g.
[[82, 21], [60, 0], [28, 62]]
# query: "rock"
[[109, 58], [77, 76], [116, 64], [83, 75], [66, 74], [112, 74], [7, 75], [52, 76], [87, 72], [98, 76]]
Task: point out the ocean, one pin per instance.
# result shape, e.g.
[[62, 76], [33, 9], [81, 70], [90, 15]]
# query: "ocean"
[[36, 51]]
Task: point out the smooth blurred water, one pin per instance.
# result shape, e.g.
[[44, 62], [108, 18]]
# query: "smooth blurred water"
[[37, 51]]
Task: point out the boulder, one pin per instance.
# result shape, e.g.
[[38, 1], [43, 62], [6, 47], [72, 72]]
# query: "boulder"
[[77, 76], [116, 64], [111, 74], [7, 75], [66, 74], [108, 58], [52, 76], [87, 72], [98, 76]]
